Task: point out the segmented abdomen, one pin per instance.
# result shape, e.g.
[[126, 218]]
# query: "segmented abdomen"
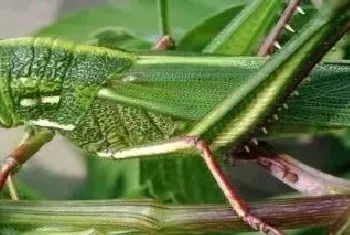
[[109, 127]]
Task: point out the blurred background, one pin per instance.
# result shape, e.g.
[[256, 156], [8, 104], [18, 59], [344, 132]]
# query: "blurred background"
[[59, 169]]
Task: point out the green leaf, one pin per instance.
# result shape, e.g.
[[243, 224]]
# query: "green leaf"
[[139, 16], [198, 37], [109, 179], [24, 192], [118, 38], [244, 33]]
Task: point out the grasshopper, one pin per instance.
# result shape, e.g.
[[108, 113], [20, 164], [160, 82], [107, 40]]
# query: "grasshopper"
[[120, 105]]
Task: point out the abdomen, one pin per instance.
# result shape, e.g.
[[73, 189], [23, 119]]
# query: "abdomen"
[[109, 127]]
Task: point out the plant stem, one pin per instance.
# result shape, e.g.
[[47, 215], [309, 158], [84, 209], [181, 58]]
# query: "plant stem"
[[163, 17], [341, 225], [150, 216]]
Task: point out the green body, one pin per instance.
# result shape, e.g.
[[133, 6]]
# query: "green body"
[[121, 105], [54, 84], [108, 128], [48, 81]]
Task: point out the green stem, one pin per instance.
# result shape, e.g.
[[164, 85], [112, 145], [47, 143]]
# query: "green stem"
[[163, 17], [150, 216]]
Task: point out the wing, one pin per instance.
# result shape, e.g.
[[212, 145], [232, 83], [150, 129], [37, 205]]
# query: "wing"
[[189, 87], [323, 102], [185, 87]]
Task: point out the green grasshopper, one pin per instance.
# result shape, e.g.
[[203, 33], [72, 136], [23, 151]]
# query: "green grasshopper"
[[121, 105]]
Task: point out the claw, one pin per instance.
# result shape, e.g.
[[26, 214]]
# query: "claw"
[[289, 28], [264, 130], [255, 141], [295, 93], [300, 10], [277, 45], [247, 148]]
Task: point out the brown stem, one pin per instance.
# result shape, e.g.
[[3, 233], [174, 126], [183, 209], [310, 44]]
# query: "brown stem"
[[275, 33], [341, 225], [152, 217]]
